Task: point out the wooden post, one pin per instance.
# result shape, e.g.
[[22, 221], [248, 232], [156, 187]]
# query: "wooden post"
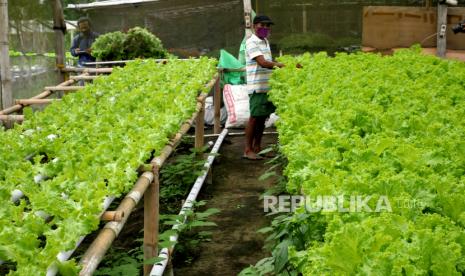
[[428, 3], [199, 126], [169, 269], [151, 220], [248, 17], [442, 28], [217, 106], [6, 93], [304, 19], [59, 26]]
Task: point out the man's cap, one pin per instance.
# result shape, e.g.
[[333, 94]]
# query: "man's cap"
[[262, 19]]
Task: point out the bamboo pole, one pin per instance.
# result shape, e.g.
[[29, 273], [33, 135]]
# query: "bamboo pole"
[[217, 106], [200, 119], [12, 118], [112, 216], [117, 62], [6, 93], [442, 30], [107, 235], [81, 77], [87, 70], [102, 243], [167, 253], [200, 127], [34, 101], [151, 220], [44, 94], [248, 17], [64, 88], [59, 26]]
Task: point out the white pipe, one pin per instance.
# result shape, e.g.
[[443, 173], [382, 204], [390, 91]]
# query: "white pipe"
[[159, 267], [64, 255], [16, 195]]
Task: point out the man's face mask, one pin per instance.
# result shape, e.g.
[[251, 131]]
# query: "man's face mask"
[[263, 32]]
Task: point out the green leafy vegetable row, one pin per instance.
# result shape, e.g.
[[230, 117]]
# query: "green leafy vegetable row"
[[76, 152], [375, 126]]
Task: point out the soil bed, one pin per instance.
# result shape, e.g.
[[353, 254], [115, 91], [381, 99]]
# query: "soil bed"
[[235, 191]]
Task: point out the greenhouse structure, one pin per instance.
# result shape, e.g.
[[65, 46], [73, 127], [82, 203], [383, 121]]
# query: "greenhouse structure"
[[232, 137]]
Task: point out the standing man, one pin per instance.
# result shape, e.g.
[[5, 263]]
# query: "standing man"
[[81, 46], [259, 68]]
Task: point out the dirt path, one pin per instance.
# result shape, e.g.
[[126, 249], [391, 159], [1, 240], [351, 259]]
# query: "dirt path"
[[235, 191]]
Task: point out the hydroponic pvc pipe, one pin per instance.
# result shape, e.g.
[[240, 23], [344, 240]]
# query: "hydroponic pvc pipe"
[[16, 195], [64, 255], [100, 245], [159, 268]]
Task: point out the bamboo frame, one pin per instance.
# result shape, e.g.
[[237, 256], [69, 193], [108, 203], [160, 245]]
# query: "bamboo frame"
[[87, 70], [148, 181], [151, 219], [164, 267], [248, 17], [34, 101], [112, 216], [199, 126], [81, 77], [64, 88], [44, 94], [441, 35], [107, 235], [12, 118], [116, 62], [59, 27], [217, 107], [6, 80]]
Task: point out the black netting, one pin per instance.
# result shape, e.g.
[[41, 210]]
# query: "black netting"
[[187, 28]]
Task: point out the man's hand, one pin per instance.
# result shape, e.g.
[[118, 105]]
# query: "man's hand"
[[267, 64], [89, 51], [279, 65]]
